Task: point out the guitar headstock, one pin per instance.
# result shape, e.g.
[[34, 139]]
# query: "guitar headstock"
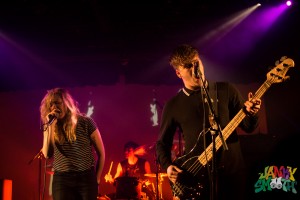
[[277, 74]]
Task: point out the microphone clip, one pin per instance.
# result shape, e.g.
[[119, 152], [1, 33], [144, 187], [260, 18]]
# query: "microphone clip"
[[196, 70]]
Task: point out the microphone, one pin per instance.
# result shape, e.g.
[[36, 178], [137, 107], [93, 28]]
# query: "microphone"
[[196, 71], [53, 116]]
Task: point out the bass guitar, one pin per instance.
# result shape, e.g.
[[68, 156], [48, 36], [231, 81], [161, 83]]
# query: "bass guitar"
[[189, 186]]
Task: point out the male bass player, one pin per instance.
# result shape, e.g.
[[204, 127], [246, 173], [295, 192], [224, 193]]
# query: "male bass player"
[[189, 112]]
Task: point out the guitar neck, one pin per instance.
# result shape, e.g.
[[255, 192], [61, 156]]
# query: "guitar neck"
[[232, 125]]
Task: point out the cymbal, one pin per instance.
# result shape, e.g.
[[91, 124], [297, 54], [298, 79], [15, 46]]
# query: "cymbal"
[[144, 149], [50, 172], [159, 174]]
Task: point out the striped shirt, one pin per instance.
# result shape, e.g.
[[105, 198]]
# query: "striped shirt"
[[78, 155]]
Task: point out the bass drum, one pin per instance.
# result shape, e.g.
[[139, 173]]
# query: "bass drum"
[[128, 188]]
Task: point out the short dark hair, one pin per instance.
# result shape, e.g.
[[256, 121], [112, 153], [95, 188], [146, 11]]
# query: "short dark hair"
[[131, 144], [182, 54]]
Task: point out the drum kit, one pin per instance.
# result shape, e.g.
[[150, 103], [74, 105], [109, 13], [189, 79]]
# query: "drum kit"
[[139, 189], [148, 187], [159, 180]]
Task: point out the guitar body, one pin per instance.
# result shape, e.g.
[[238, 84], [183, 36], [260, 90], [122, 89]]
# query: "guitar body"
[[192, 183]]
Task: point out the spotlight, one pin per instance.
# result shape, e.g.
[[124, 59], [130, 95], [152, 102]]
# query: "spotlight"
[[288, 3]]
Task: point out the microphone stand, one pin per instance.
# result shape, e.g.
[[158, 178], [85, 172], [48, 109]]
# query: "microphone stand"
[[39, 156], [156, 177], [215, 128]]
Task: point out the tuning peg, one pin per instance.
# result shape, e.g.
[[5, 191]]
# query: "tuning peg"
[[283, 58], [286, 78]]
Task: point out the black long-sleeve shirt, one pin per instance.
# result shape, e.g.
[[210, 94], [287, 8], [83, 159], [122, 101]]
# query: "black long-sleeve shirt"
[[187, 112]]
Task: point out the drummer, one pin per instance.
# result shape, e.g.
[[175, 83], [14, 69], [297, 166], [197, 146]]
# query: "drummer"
[[133, 165]]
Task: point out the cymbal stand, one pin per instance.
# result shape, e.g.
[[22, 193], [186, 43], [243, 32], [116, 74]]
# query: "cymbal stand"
[[156, 177], [159, 186]]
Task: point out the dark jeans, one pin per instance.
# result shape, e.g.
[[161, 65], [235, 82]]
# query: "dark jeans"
[[75, 185]]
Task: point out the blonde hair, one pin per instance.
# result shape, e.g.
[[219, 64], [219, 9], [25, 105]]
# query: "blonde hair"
[[64, 130]]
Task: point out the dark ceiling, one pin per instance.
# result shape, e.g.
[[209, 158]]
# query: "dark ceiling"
[[46, 44]]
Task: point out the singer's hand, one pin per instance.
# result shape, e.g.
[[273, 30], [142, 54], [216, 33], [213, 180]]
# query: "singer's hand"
[[52, 116]]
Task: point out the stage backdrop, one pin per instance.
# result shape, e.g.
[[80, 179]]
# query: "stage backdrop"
[[122, 113]]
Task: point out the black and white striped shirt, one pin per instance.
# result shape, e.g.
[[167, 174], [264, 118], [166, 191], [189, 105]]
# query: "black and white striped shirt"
[[78, 155]]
